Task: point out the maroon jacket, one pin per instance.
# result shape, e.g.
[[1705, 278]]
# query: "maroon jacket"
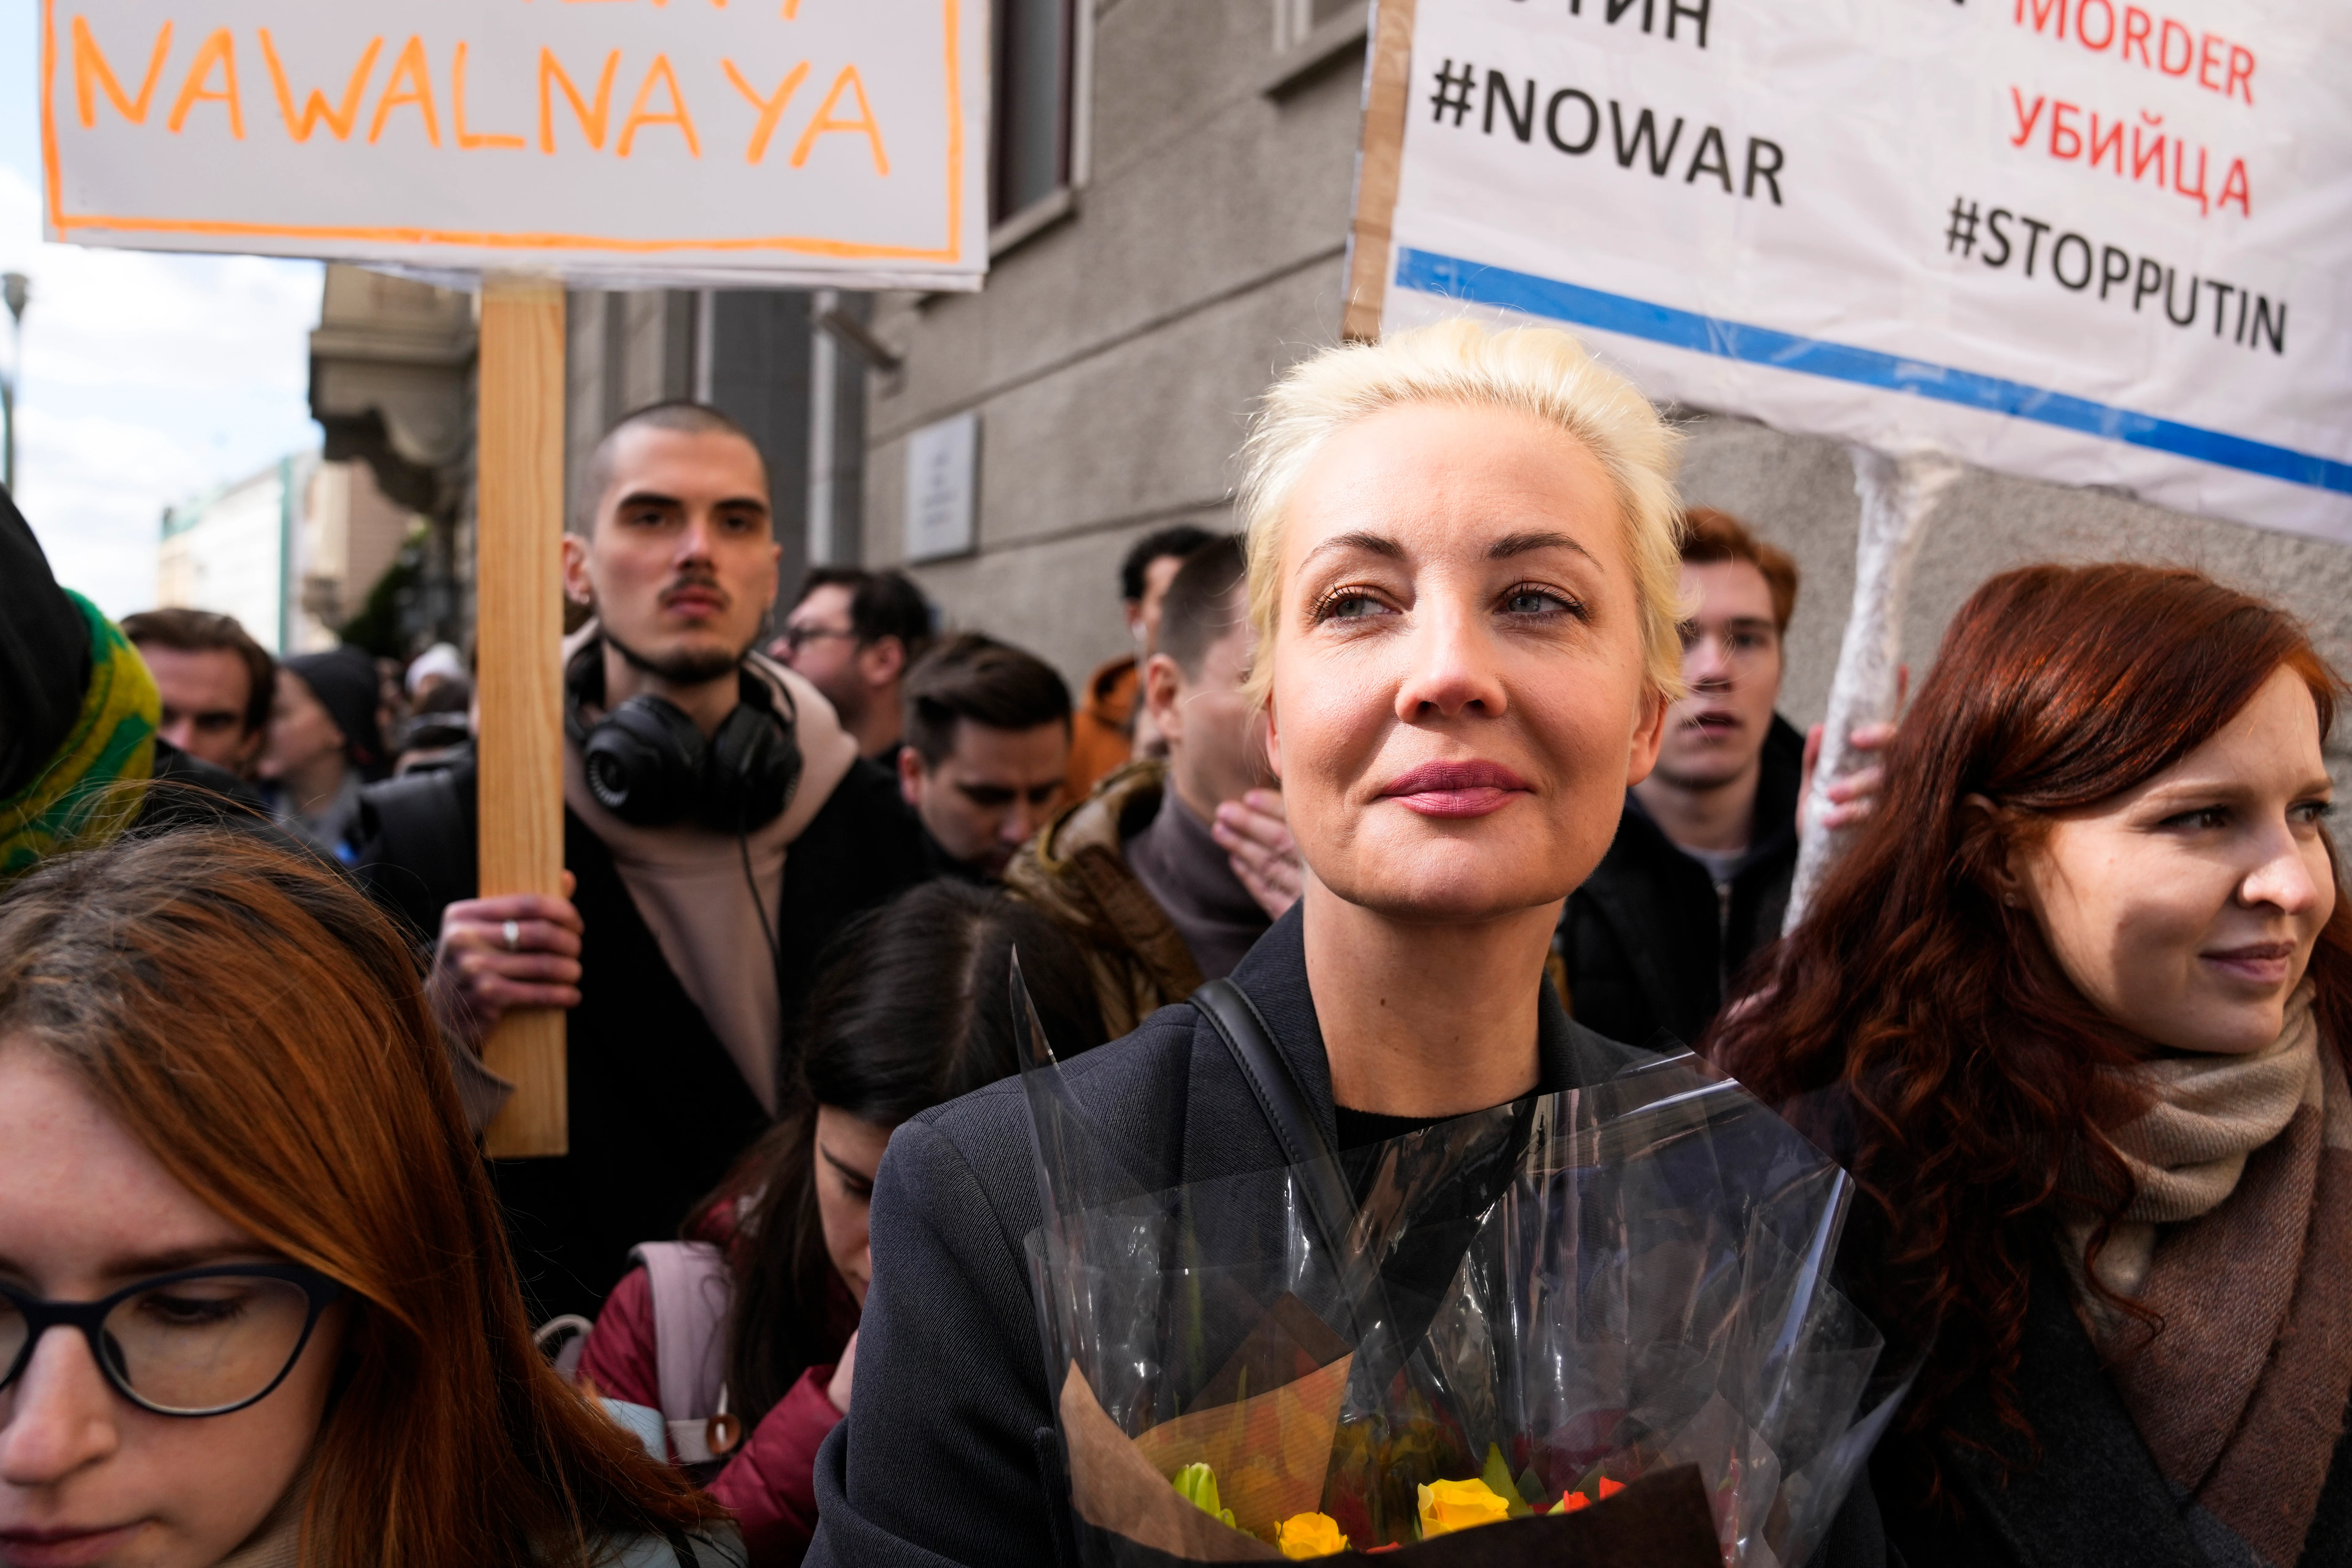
[[769, 1482]]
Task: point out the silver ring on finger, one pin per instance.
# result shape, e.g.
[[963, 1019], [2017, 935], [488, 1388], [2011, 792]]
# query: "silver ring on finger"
[[513, 932]]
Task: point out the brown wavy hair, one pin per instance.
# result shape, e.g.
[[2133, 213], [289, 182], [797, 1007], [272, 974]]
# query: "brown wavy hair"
[[263, 1030], [1919, 1028]]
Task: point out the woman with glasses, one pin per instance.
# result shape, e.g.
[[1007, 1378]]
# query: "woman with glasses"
[[255, 1305]]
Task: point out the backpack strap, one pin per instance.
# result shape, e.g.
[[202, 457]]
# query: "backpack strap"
[[1283, 1102], [690, 1292]]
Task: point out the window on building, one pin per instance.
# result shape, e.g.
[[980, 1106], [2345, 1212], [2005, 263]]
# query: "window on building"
[[1036, 54]]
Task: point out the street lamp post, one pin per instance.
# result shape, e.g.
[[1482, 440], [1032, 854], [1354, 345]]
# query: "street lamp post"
[[15, 289]]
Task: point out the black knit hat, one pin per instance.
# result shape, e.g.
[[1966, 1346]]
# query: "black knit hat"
[[345, 683], [44, 655]]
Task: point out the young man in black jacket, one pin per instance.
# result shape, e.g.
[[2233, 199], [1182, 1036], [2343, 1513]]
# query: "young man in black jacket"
[[718, 828], [1699, 877]]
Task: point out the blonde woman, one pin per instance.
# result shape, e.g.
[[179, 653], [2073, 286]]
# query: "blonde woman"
[[1463, 574]]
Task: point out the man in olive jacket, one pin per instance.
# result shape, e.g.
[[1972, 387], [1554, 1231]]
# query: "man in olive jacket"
[[1134, 872]]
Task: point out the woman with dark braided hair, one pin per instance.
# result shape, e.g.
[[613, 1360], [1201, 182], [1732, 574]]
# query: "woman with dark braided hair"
[[2074, 1009], [910, 1009]]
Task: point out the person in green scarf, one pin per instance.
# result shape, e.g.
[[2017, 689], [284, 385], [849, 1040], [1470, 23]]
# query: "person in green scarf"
[[80, 762]]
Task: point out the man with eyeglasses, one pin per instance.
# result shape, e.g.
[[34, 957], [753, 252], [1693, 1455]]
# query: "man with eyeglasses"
[[1698, 876], [853, 635]]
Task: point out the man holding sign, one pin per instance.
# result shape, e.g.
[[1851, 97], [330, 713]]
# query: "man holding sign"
[[718, 825], [543, 147]]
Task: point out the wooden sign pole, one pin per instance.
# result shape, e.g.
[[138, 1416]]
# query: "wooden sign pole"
[[518, 653], [1380, 162]]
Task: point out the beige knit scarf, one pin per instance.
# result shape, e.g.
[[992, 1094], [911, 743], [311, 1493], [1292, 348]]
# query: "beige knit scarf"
[[276, 1541], [2239, 1238]]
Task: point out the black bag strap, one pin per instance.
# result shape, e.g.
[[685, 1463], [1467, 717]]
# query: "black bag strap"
[[1238, 1023]]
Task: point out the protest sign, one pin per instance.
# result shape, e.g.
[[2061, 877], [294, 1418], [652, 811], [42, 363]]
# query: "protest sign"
[[760, 143], [2099, 242], [643, 143]]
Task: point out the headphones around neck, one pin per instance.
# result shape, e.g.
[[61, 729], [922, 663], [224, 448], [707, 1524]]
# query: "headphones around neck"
[[648, 764]]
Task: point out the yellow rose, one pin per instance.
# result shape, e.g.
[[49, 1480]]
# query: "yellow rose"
[[1449, 1506], [1309, 1535]]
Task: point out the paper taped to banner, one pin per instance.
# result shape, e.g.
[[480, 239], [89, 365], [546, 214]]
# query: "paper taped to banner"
[[773, 143], [2100, 242]]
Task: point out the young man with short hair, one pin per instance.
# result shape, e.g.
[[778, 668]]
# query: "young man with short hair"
[[1109, 726], [853, 635], [718, 828], [1133, 872], [988, 746], [216, 681], [1698, 876]]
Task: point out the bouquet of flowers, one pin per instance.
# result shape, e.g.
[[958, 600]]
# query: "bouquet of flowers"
[[1590, 1327]]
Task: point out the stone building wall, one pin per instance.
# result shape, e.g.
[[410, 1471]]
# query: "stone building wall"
[[1115, 352]]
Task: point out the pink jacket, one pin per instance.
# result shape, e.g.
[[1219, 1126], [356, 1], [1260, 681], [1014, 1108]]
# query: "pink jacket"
[[769, 1481]]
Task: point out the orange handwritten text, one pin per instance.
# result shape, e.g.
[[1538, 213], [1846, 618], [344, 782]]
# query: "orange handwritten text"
[[591, 120], [639, 119], [673, 93], [771, 109], [90, 66], [409, 67], [315, 110], [468, 139], [825, 122], [220, 50]]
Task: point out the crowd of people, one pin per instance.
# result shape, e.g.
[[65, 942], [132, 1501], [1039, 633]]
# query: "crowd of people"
[[1458, 775]]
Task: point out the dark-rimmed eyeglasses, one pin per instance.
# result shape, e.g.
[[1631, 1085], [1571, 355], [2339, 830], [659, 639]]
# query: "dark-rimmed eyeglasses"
[[200, 1341], [795, 638]]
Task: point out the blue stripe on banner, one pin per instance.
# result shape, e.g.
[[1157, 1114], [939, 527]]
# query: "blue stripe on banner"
[[1455, 278]]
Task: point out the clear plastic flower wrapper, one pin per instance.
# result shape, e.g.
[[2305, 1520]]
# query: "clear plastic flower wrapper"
[[1590, 1327]]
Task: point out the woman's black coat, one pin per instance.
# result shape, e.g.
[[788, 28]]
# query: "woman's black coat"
[[949, 1454], [2092, 1499]]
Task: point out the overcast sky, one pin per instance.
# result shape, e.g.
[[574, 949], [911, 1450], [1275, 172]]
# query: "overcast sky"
[[147, 378]]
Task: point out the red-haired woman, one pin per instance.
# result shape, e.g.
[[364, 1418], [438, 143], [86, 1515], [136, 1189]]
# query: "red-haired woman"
[[2075, 1006], [255, 1304]]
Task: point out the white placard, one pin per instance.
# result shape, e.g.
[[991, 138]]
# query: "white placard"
[[942, 488], [2101, 242], [756, 142]]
